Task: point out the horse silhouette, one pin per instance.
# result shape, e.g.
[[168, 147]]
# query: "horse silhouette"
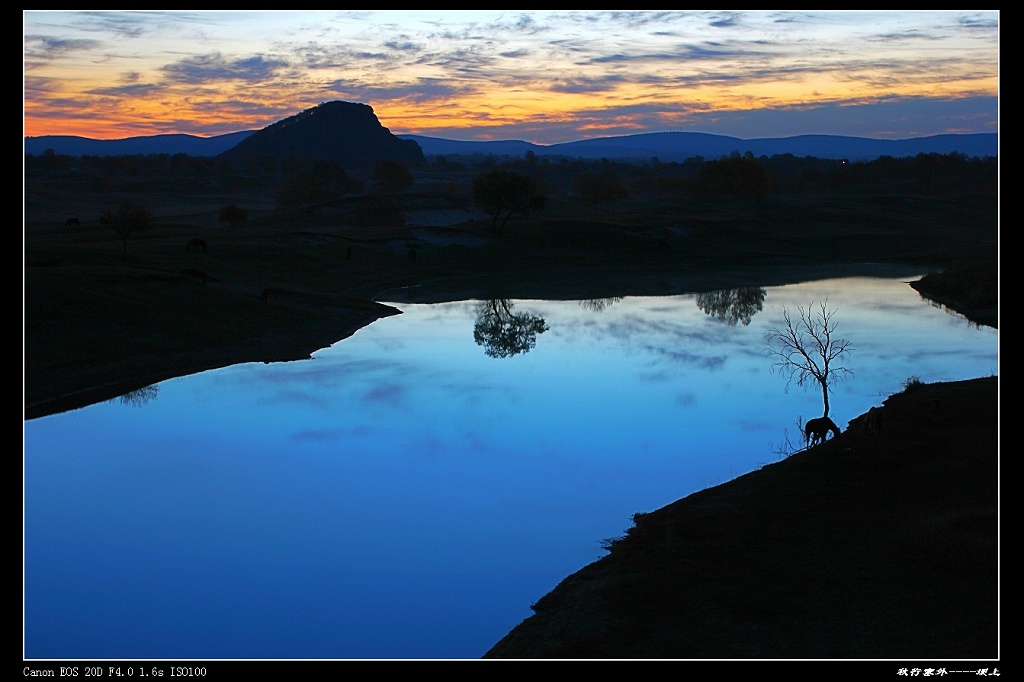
[[196, 245], [817, 430]]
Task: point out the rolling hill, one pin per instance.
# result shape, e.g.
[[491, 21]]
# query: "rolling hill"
[[666, 146]]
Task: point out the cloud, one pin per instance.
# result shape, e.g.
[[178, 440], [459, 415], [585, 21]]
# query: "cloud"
[[403, 46], [213, 68], [287, 397], [541, 76], [38, 86], [38, 45], [522, 24], [391, 394], [974, 22], [121, 24], [127, 91], [725, 21], [687, 399], [424, 90], [888, 118], [638, 18], [588, 84]]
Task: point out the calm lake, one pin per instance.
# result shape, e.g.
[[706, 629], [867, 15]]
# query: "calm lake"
[[410, 491]]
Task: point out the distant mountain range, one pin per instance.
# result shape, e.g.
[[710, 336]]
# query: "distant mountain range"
[[72, 145], [672, 146], [682, 146]]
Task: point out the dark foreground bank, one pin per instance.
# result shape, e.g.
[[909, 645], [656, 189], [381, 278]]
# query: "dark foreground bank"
[[874, 545]]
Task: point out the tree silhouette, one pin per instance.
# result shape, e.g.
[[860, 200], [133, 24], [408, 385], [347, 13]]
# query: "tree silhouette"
[[503, 333], [806, 350], [732, 306], [598, 305], [501, 192], [139, 396], [126, 221], [733, 176]]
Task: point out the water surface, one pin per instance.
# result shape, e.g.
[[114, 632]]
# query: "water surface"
[[409, 492]]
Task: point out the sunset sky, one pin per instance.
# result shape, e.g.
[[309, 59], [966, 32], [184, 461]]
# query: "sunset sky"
[[540, 76]]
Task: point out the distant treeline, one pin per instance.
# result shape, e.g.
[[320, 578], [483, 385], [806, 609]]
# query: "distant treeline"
[[744, 175], [735, 175]]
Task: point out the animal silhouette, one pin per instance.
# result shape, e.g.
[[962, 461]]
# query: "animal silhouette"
[[817, 430], [196, 245]]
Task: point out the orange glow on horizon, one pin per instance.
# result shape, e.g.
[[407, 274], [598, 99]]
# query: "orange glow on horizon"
[[130, 118]]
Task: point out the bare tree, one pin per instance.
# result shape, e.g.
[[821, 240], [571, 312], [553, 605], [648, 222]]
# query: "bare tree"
[[806, 350], [126, 221]]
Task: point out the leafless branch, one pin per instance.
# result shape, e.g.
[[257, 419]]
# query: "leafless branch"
[[806, 349]]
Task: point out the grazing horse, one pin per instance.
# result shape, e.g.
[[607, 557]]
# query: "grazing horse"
[[196, 245], [816, 430], [71, 222]]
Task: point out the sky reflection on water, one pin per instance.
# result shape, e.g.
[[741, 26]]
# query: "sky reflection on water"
[[403, 495]]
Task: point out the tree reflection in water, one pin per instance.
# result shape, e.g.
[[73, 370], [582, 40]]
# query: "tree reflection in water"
[[732, 305], [504, 333], [139, 396], [597, 305]]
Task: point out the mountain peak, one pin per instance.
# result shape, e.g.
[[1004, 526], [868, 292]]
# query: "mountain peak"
[[346, 133]]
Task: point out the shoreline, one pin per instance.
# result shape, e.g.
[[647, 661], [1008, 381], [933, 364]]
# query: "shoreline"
[[293, 326], [872, 545]]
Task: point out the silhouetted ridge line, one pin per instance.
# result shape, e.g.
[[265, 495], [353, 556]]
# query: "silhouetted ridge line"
[[345, 133], [349, 134]]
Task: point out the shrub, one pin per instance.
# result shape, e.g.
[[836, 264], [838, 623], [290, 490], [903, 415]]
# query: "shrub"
[[912, 383]]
